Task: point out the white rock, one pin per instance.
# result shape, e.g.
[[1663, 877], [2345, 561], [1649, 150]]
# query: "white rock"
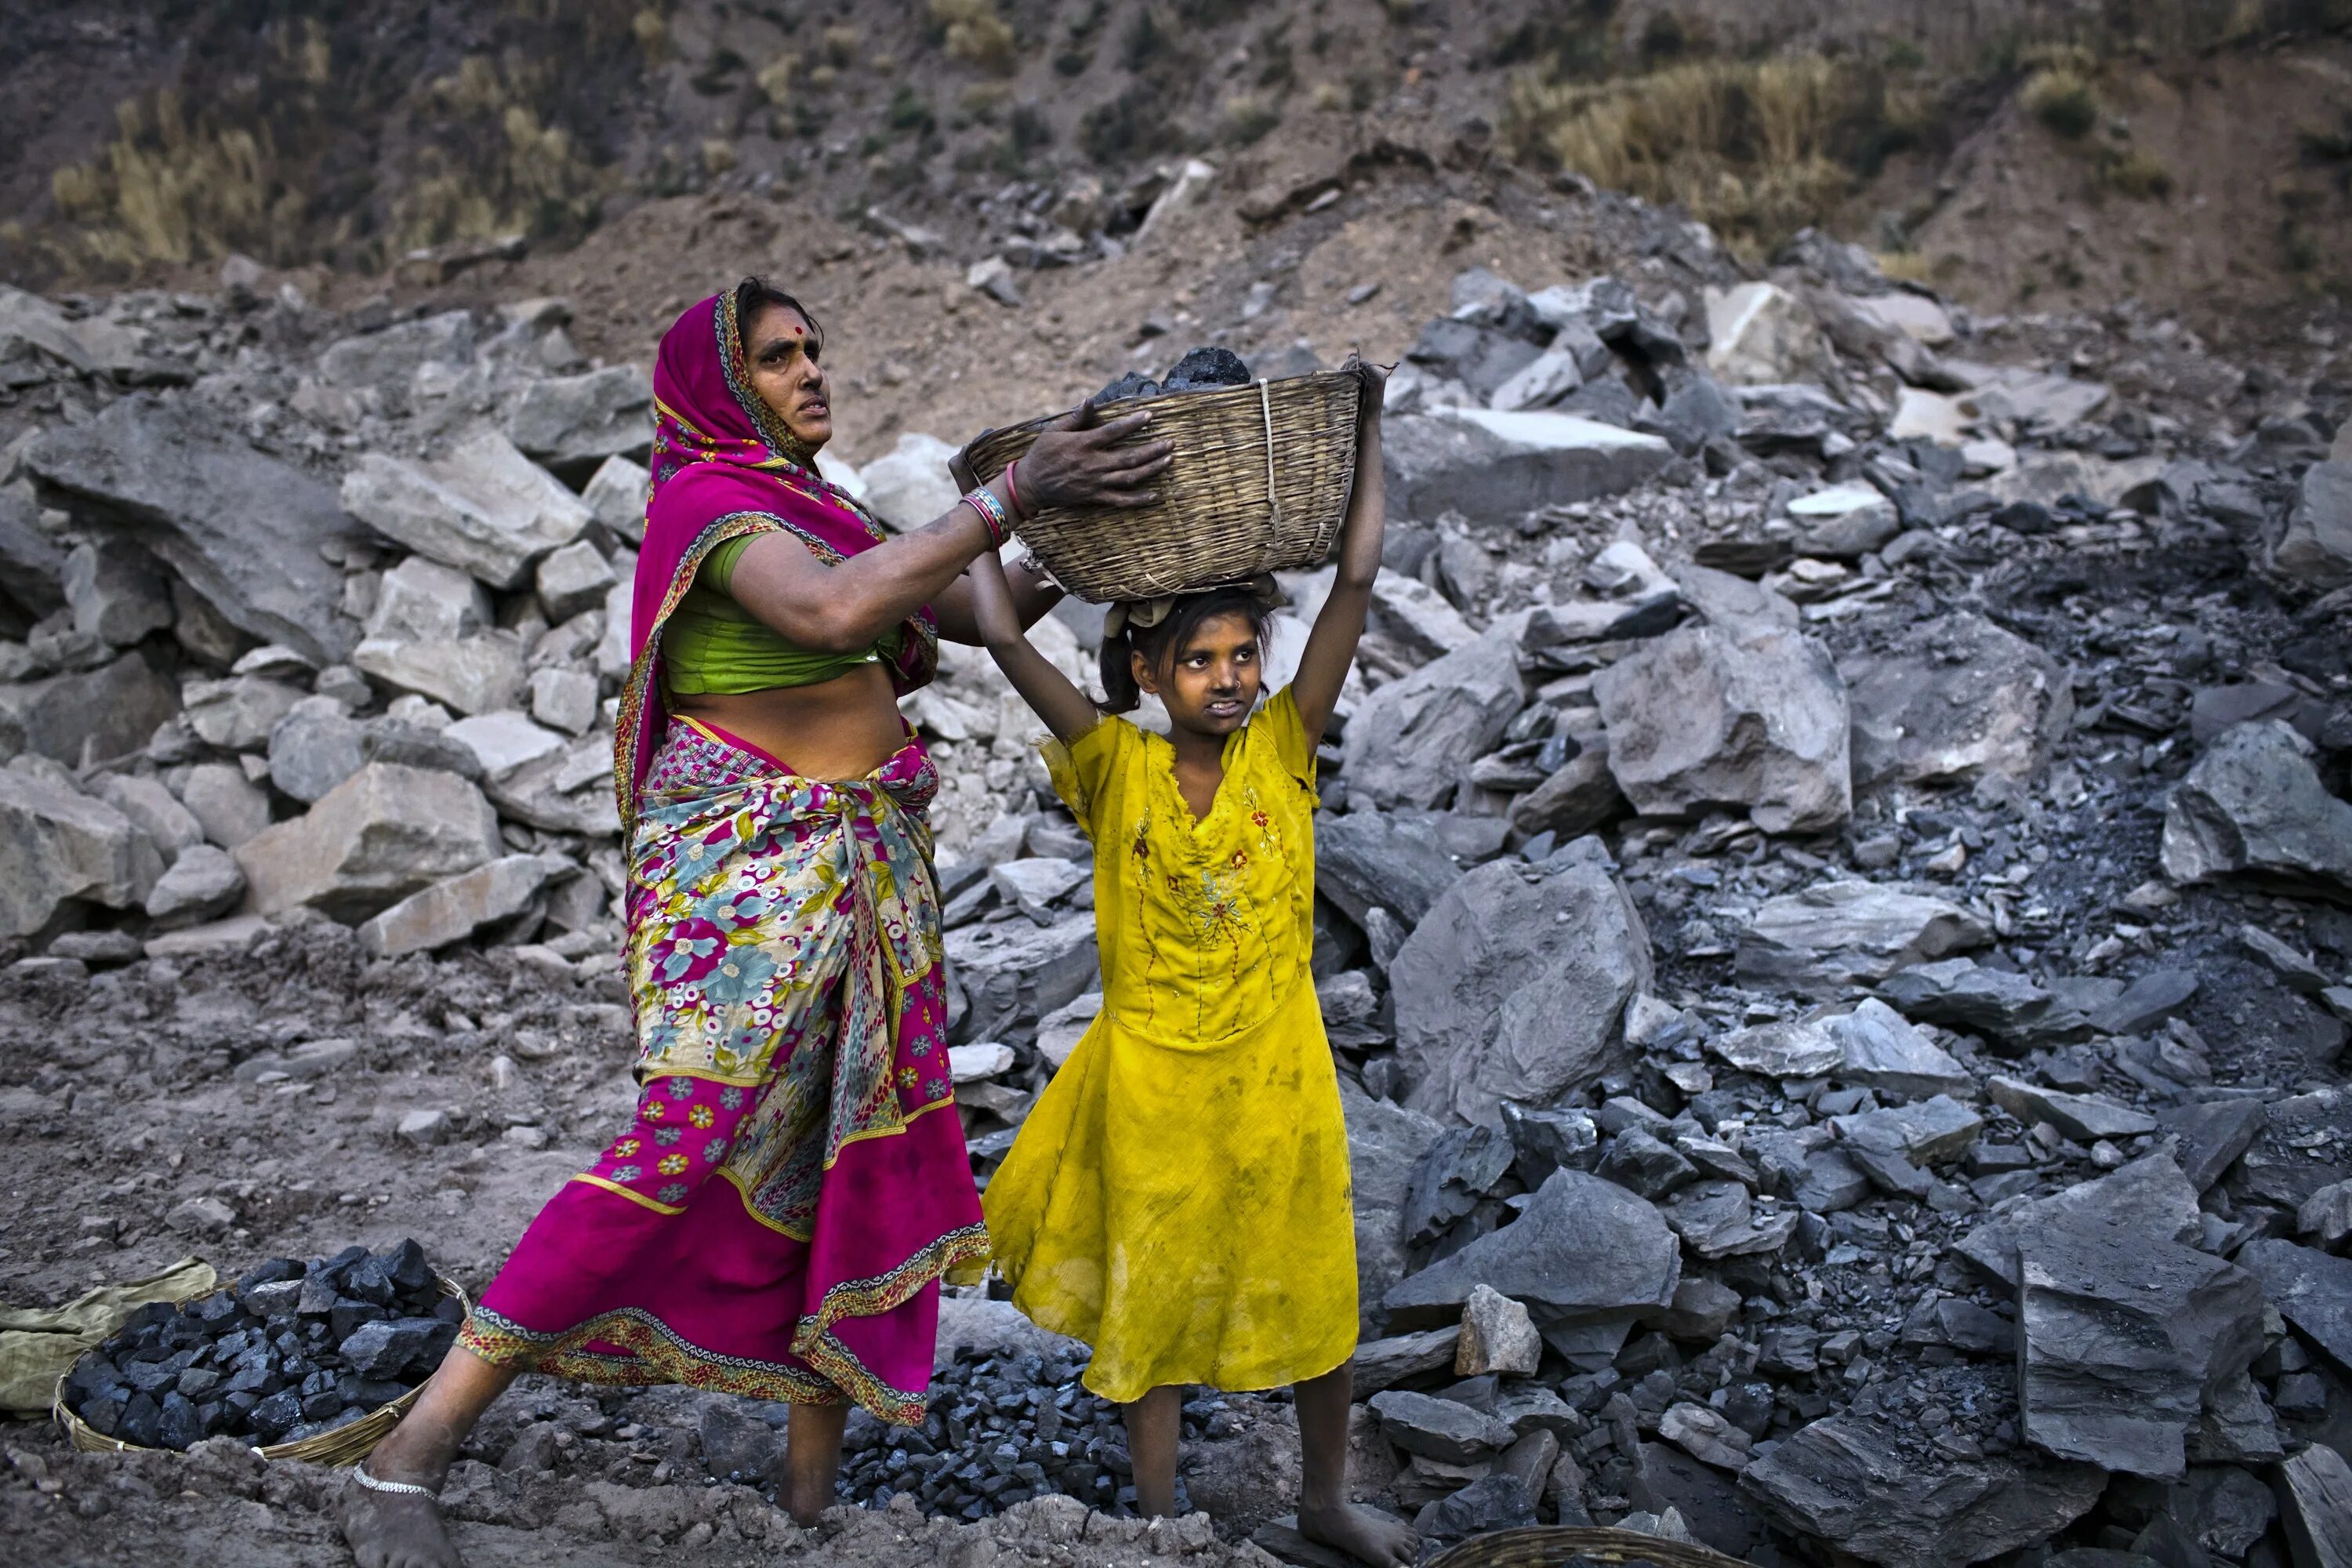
[[151, 809], [976, 1063], [1417, 615], [381, 834], [573, 579], [910, 486], [616, 495], [1914, 315], [1191, 183], [238, 714], [486, 509], [1760, 335], [426, 1129], [612, 650], [1035, 883], [202, 883], [457, 907], [504, 740], [58, 846], [229, 807], [1497, 1336], [1920, 415], [563, 698]]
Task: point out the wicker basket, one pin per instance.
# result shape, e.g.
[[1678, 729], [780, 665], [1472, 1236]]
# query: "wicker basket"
[[1547, 1546], [346, 1444], [1293, 441]]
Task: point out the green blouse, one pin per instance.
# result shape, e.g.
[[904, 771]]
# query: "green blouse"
[[713, 645]]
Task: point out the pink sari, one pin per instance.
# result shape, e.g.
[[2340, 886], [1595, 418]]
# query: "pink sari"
[[777, 1217]]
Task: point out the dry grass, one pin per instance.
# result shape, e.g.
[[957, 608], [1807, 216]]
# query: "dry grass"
[[975, 33], [2133, 175], [167, 189], [1756, 148], [2063, 99]]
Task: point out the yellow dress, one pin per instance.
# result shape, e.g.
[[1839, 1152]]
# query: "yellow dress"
[[1178, 1197]]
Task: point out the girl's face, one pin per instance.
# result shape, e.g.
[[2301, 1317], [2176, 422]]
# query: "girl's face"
[[782, 352], [1212, 685]]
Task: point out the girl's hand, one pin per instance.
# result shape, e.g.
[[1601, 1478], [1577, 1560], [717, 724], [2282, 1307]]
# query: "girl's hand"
[[1373, 381]]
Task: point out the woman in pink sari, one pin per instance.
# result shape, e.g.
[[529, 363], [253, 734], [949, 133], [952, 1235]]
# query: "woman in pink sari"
[[776, 1219]]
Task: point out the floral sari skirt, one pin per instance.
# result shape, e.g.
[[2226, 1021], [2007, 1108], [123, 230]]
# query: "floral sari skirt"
[[776, 1219]]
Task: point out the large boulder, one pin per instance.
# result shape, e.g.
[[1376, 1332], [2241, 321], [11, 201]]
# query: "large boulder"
[[1759, 334], [574, 423], [1887, 1492], [2312, 1291], [58, 846], [1744, 715], [1496, 467], [2315, 549], [457, 907], [1412, 741], [1587, 1257], [1514, 986], [1960, 697], [1014, 973], [390, 359], [1382, 859], [89, 715], [433, 633], [1836, 934], [1385, 1144], [485, 509], [2253, 809], [243, 528], [909, 485], [381, 834]]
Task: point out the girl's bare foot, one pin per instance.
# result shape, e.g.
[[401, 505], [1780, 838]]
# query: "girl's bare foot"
[[1366, 1533], [395, 1530]]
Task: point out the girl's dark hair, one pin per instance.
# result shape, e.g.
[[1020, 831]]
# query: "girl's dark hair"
[[1160, 644], [755, 293]]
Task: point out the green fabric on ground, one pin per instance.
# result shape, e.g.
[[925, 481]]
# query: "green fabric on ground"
[[40, 1345]]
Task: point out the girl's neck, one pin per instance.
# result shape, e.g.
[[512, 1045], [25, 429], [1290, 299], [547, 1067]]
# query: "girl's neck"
[[1197, 748]]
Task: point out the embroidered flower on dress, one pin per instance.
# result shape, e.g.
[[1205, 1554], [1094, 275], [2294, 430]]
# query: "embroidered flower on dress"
[[668, 1137], [1260, 818], [907, 1077], [701, 1116], [681, 1088], [715, 1151], [672, 1164], [1241, 858], [731, 1097], [625, 1147], [627, 1173], [674, 1193], [936, 1088], [654, 1111]]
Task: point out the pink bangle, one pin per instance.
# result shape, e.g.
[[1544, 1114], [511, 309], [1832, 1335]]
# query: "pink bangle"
[[1013, 490], [992, 515]]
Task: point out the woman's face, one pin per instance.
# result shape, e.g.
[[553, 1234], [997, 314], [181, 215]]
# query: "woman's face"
[[783, 351]]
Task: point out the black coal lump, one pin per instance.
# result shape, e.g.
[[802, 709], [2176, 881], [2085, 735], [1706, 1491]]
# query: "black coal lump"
[[1133, 384], [405, 1267], [1207, 367], [179, 1426]]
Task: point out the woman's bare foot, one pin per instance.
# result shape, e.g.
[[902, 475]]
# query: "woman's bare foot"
[[395, 1530], [1366, 1533]]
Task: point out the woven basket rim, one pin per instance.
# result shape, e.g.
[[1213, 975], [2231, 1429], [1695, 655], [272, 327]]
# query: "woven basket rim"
[[1107, 412], [1532, 1546], [88, 1439]]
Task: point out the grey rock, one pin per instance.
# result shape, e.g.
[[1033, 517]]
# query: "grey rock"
[[433, 633], [391, 358], [1497, 1336], [1482, 358], [574, 578], [1703, 1309], [1585, 1255], [1844, 523], [2324, 1220], [565, 699], [2146, 1002], [1640, 1162], [153, 809], [59, 847], [2236, 1426], [1543, 1141], [737, 1443], [2311, 1289], [92, 715], [1576, 799], [204, 882], [1836, 934], [231, 807], [384, 739], [1717, 1220], [1389, 860], [1961, 993], [32, 567], [909, 485], [1014, 972], [2254, 808], [315, 747], [2314, 550], [457, 907], [1961, 699], [2278, 1166], [2212, 1134], [1384, 1363], [574, 423], [2080, 1116], [243, 528], [2148, 1198], [1513, 986], [1386, 1144], [1934, 1132], [381, 834], [1878, 1490], [1745, 715], [1830, 1183], [2294, 968], [1760, 334], [1792, 1047], [1493, 1502], [616, 495], [236, 714], [1878, 1049], [2121, 1337], [1461, 1166], [1495, 466], [2314, 1493], [486, 509], [1412, 741], [117, 593], [1439, 1428]]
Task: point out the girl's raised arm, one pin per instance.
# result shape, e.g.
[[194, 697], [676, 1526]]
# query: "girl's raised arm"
[[1068, 712], [1331, 646]]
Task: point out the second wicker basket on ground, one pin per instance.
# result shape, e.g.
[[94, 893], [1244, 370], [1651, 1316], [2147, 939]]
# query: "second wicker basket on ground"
[[1258, 482]]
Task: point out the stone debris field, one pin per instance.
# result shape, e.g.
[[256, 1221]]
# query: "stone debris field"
[[1835, 918]]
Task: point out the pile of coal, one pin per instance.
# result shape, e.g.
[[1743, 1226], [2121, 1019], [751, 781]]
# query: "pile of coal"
[[1202, 369], [289, 1352], [1002, 1429]]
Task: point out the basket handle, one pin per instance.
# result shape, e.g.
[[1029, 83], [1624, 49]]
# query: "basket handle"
[[1273, 498]]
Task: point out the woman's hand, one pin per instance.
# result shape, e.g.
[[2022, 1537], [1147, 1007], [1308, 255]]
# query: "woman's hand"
[[1077, 462], [1373, 381]]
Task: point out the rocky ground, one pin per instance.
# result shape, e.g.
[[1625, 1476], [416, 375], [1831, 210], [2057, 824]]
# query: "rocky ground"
[[1836, 920]]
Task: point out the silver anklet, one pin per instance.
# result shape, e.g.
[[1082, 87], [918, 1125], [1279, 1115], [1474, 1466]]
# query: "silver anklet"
[[406, 1489]]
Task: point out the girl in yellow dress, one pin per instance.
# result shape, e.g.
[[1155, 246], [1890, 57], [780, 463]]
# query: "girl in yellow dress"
[[1179, 1197]]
